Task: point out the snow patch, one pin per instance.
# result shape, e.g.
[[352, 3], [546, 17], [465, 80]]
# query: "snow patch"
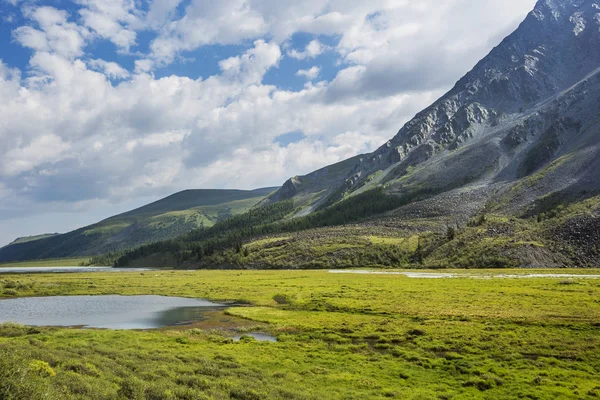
[[531, 63], [579, 22]]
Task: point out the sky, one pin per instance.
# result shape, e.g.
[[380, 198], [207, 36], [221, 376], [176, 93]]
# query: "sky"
[[106, 105]]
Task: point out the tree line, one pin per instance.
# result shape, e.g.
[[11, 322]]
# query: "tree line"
[[232, 233]]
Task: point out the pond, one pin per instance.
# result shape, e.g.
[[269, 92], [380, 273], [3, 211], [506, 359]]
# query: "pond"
[[40, 270], [112, 311]]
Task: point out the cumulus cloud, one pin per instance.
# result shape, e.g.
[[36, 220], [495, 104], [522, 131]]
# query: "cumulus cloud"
[[252, 65], [41, 150], [161, 12], [208, 22], [312, 50], [114, 20], [143, 66], [309, 74], [109, 68], [55, 34]]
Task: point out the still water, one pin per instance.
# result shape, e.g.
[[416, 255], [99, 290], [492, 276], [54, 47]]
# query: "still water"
[[40, 270], [113, 312]]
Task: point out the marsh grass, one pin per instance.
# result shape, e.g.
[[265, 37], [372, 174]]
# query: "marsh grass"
[[339, 336]]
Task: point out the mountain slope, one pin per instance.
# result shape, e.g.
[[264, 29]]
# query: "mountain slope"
[[26, 239], [161, 220], [500, 171], [532, 101]]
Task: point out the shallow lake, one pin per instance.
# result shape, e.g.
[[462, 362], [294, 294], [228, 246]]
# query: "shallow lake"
[[113, 312], [39, 270]]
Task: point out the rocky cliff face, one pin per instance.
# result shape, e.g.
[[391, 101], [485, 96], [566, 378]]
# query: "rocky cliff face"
[[519, 109]]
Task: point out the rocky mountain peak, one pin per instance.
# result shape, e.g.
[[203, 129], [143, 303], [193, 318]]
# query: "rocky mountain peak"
[[556, 47], [557, 9]]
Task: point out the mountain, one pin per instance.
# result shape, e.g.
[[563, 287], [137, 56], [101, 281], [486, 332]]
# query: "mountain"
[[164, 219], [26, 239], [527, 114], [501, 171]]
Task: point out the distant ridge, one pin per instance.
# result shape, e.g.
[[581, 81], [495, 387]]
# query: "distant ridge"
[[26, 239], [161, 220]]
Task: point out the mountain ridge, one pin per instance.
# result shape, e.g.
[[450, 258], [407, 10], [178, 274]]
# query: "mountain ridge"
[[516, 76], [166, 218]]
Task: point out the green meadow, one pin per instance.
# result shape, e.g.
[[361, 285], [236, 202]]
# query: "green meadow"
[[340, 336]]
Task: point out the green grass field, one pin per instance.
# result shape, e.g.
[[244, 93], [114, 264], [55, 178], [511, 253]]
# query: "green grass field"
[[63, 262], [340, 336]]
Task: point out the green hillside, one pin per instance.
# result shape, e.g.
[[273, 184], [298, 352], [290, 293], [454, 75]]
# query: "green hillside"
[[26, 239], [358, 232], [164, 219]]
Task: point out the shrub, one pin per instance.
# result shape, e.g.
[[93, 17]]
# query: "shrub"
[[9, 329], [416, 332], [283, 299], [450, 233], [131, 388], [244, 394], [41, 368], [10, 284], [22, 381]]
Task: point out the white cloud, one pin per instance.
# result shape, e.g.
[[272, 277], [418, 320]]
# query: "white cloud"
[[32, 38], [110, 69], [310, 74], [55, 33], [205, 23], [143, 66], [312, 50], [114, 20], [161, 12], [253, 64], [9, 74], [43, 149], [163, 139]]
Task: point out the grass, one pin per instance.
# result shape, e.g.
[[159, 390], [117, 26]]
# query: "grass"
[[33, 238], [341, 336], [268, 241], [410, 244], [107, 229], [62, 262]]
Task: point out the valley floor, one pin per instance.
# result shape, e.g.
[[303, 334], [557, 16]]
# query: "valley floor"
[[350, 336]]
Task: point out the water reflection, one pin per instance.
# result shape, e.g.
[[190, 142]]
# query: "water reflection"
[[113, 312], [56, 270], [261, 337]]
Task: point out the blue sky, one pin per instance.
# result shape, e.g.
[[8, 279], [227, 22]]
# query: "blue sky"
[[106, 105]]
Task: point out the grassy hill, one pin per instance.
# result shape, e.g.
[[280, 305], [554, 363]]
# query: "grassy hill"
[[358, 232], [26, 239], [164, 219]]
